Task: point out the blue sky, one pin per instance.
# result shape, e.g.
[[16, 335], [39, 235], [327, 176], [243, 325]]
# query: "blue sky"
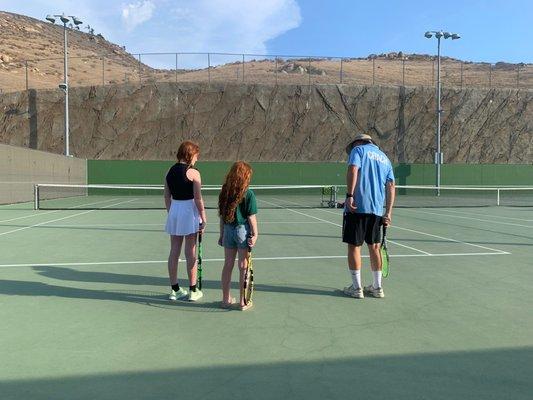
[[491, 30]]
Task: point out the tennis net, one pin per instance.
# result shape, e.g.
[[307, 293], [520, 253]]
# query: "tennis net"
[[451, 196], [136, 197]]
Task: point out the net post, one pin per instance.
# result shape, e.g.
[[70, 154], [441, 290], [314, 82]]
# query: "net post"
[[334, 194], [498, 196], [35, 197]]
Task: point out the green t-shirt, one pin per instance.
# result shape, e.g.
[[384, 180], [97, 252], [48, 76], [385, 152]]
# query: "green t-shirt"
[[247, 207]]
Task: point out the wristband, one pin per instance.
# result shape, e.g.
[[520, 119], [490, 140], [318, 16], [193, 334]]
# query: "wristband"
[[349, 195]]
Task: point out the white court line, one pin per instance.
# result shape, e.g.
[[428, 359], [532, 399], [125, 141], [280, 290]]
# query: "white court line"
[[472, 218], [487, 216], [60, 219], [162, 224], [73, 264], [340, 226], [442, 237], [56, 211]]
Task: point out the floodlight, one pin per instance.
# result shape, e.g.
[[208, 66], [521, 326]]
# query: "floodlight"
[[455, 36], [64, 18], [447, 35], [428, 35], [438, 35], [76, 20], [50, 18]]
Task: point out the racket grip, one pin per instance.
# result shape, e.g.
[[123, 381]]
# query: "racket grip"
[[384, 230]]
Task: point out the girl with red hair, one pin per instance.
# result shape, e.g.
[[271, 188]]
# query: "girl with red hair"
[[237, 208], [186, 217]]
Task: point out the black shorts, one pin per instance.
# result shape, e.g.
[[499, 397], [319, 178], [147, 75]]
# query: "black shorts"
[[358, 228]]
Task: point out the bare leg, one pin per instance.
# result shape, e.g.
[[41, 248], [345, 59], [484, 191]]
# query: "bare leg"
[[229, 262], [375, 256], [190, 256], [354, 257], [243, 264], [175, 250]]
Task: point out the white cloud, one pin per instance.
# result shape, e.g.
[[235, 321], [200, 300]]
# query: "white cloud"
[[233, 25], [134, 14]]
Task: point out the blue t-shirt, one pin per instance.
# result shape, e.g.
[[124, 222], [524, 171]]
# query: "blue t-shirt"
[[374, 171]]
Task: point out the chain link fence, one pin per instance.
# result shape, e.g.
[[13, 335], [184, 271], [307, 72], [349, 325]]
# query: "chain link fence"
[[265, 69]]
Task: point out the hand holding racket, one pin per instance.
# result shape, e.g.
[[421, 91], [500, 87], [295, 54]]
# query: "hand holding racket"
[[248, 286], [384, 254], [200, 256]]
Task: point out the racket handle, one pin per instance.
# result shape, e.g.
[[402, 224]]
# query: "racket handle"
[[199, 237], [384, 231]]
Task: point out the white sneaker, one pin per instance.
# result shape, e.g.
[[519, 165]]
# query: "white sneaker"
[[353, 292], [196, 295], [374, 292], [173, 296]]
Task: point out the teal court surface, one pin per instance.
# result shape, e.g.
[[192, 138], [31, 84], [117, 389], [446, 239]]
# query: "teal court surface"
[[85, 315]]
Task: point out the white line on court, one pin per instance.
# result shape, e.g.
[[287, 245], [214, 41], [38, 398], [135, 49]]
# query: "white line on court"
[[442, 237], [63, 264], [454, 240], [340, 226], [38, 214], [472, 218], [487, 216], [163, 223], [60, 219]]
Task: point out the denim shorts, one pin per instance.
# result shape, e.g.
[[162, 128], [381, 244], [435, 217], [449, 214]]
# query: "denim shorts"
[[236, 236]]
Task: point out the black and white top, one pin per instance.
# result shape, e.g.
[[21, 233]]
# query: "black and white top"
[[183, 216]]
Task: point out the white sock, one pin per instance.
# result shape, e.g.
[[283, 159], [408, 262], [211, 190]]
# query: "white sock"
[[377, 279], [356, 277]]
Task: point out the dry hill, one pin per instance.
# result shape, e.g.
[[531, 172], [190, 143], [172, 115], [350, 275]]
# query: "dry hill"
[[31, 55]]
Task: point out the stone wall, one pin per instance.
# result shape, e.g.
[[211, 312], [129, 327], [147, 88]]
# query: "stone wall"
[[273, 123]]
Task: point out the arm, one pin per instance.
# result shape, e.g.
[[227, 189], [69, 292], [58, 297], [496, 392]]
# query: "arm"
[[391, 193], [252, 220], [167, 197], [198, 200], [351, 179]]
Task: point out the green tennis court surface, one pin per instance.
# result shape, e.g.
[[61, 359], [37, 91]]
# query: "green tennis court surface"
[[84, 311]]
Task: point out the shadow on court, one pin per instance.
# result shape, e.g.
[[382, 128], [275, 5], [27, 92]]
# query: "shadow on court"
[[494, 374]]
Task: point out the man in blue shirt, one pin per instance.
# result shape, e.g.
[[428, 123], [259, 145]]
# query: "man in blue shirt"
[[370, 182]]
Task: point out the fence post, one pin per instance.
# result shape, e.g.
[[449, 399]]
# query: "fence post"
[[490, 75], [341, 71], [176, 69], [140, 70], [518, 76], [462, 75], [432, 72], [276, 71], [27, 84], [209, 68], [373, 71], [403, 72], [243, 68], [103, 71], [309, 71]]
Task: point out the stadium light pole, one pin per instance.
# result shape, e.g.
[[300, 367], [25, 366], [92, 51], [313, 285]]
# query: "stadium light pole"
[[438, 154], [64, 85]]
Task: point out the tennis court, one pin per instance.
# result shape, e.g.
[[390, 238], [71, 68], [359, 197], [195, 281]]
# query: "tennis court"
[[85, 314]]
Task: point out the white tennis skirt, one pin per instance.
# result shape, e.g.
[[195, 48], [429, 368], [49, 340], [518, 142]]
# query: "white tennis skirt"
[[183, 218]]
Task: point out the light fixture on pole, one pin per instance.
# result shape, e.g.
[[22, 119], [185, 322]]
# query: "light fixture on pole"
[[64, 85], [438, 154]]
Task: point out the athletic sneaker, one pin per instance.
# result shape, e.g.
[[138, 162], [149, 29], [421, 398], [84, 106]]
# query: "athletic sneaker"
[[374, 292], [196, 295], [353, 292], [177, 295]]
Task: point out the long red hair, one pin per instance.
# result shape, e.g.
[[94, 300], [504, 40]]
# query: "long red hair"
[[233, 190]]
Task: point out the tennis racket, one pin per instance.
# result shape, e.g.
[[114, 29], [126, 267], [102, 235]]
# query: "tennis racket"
[[200, 255], [248, 287], [384, 254]]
